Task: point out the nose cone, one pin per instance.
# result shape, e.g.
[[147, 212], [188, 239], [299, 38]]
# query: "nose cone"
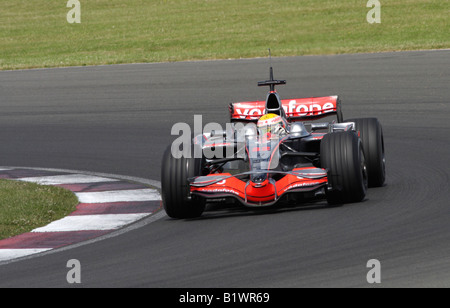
[[264, 191], [259, 180]]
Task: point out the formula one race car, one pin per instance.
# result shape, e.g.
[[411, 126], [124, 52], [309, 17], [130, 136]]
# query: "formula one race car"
[[274, 151]]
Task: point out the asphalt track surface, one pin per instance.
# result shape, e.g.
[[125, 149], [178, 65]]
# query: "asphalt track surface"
[[118, 119]]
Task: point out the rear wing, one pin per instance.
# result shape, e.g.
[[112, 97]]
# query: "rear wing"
[[299, 109]]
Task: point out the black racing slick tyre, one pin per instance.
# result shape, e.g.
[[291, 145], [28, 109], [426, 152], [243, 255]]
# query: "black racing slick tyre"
[[342, 155], [371, 134], [175, 189]]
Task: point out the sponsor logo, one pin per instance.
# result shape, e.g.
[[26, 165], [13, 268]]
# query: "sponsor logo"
[[304, 110], [254, 113], [292, 108], [304, 184], [222, 190]]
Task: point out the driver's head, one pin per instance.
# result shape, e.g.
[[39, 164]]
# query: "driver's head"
[[271, 124]]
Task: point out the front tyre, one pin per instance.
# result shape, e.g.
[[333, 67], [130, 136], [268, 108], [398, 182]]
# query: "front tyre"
[[371, 134], [342, 155], [175, 189]]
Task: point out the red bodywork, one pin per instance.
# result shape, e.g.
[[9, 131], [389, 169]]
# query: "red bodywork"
[[268, 192]]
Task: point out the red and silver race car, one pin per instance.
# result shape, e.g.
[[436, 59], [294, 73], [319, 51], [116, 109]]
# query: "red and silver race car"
[[275, 151]]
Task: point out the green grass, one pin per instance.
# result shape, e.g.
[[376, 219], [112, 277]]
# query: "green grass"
[[35, 33], [26, 206]]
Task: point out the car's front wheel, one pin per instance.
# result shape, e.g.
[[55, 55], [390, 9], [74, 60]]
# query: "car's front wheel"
[[342, 155], [371, 134], [175, 189]]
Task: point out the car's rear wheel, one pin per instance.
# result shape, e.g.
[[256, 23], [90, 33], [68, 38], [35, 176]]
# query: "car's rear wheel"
[[175, 189], [342, 155], [371, 134]]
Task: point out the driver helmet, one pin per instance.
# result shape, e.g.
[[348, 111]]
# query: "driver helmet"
[[271, 124]]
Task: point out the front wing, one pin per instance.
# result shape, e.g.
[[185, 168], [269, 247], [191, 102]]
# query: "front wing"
[[227, 185]]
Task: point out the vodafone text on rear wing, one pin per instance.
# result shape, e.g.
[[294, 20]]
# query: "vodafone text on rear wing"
[[299, 109]]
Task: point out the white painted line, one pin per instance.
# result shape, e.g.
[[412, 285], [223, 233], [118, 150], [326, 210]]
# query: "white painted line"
[[91, 222], [119, 196], [8, 254], [66, 179]]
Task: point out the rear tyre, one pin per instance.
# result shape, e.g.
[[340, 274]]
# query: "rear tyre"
[[371, 134], [342, 155], [175, 189]]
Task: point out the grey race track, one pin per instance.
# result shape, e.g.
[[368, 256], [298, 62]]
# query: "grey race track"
[[118, 119]]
